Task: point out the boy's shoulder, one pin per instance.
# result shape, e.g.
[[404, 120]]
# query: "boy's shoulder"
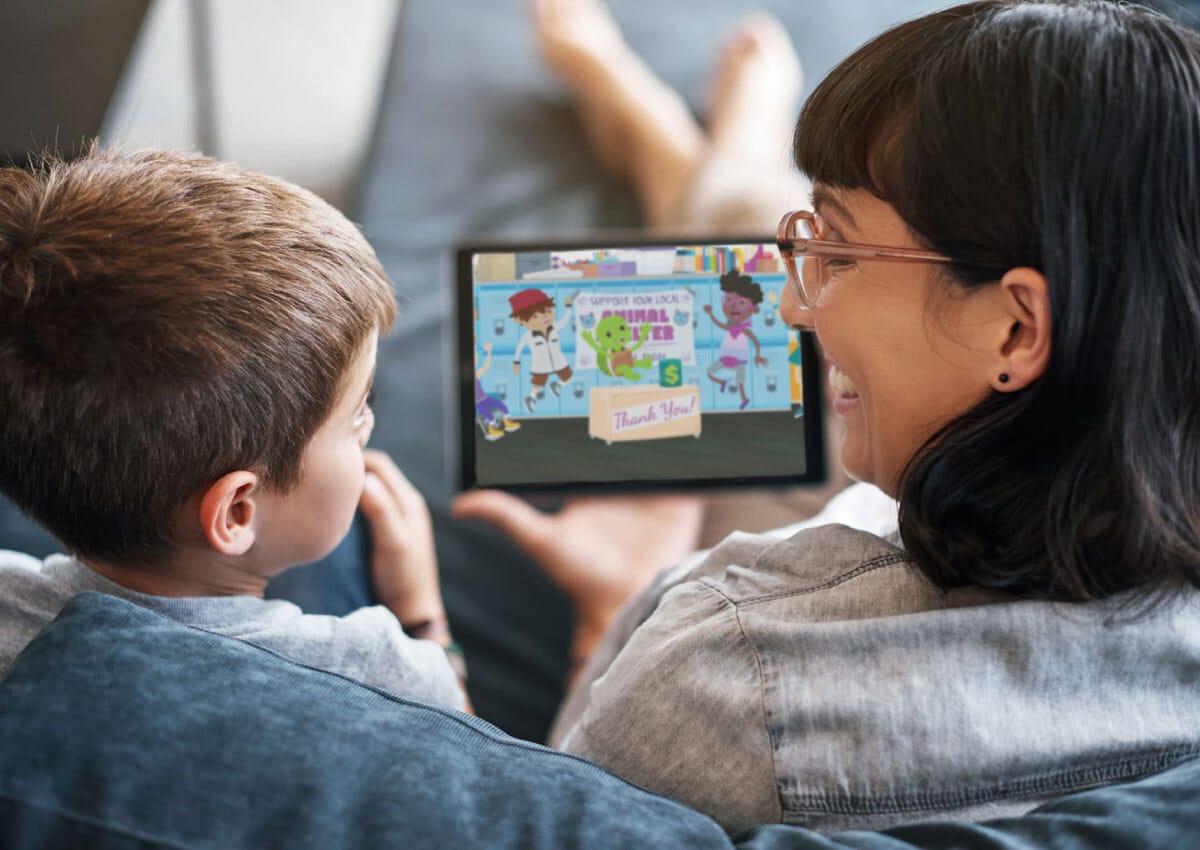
[[31, 595], [367, 645], [18, 560], [29, 585]]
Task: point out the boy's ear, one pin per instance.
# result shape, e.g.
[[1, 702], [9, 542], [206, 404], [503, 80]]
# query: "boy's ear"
[[227, 513]]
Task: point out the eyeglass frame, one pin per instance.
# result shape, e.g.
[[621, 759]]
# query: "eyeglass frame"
[[822, 249]]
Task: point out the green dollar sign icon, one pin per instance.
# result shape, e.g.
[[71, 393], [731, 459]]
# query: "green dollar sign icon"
[[670, 372]]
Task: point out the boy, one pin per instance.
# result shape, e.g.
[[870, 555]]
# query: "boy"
[[533, 310], [186, 350]]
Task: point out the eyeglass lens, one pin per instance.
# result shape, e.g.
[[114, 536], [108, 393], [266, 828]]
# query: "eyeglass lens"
[[808, 272]]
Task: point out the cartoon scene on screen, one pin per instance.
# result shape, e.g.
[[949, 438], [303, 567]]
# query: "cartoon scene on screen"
[[634, 364]]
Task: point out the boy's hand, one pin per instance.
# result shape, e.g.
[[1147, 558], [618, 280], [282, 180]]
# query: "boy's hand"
[[487, 346], [600, 550], [403, 560]]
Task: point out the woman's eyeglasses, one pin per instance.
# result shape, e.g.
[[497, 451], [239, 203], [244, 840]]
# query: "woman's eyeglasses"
[[799, 236]]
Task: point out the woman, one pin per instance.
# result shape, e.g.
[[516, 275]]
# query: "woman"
[[1019, 365]]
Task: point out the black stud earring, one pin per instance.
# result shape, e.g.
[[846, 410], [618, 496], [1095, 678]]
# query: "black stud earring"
[[1004, 377]]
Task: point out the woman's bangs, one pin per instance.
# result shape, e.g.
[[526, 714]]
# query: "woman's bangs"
[[840, 145]]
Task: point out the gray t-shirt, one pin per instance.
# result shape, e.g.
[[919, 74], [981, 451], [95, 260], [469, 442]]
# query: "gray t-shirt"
[[367, 646]]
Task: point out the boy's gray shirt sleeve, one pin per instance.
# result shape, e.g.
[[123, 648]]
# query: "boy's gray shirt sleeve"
[[367, 645]]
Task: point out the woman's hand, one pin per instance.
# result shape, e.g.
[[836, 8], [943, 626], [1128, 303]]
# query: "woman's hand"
[[403, 560], [601, 551]]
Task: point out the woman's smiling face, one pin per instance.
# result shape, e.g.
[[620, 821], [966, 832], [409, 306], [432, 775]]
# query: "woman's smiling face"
[[903, 346]]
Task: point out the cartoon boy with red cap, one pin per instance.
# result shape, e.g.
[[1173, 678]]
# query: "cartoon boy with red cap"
[[534, 310]]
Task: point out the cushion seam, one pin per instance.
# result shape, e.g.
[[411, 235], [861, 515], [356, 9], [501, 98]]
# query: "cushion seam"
[[74, 816]]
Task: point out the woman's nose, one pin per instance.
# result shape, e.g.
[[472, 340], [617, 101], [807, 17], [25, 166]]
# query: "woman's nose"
[[794, 313]]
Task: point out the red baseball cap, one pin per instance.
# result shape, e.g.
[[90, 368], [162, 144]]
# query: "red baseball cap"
[[527, 298]]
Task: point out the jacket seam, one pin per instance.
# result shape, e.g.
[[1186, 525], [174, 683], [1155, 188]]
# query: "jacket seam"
[[762, 701], [865, 567], [1058, 783]]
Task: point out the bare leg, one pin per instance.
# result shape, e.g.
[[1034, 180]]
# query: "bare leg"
[[640, 128], [754, 92], [642, 131], [747, 180]]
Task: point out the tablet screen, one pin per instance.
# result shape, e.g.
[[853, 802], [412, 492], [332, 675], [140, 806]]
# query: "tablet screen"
[[638, 364]]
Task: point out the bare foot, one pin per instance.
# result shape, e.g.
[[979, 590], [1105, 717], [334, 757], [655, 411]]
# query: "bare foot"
[[755, 91], [640, 128]]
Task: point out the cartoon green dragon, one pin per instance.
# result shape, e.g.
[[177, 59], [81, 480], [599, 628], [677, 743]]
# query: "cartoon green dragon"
[[612, 356]]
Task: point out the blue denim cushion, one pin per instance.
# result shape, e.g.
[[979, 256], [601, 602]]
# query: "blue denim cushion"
[[121, 729], [119, 725]]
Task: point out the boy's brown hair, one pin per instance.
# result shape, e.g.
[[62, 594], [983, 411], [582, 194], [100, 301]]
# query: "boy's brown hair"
[[524, 315], [165, 319]]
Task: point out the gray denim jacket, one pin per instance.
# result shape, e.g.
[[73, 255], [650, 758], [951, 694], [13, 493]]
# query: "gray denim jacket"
[[822, 680]]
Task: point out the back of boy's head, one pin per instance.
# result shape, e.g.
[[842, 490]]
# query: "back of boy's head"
[[166, 319]]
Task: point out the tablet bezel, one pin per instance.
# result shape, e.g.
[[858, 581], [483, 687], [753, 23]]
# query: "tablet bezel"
[[813, 389]]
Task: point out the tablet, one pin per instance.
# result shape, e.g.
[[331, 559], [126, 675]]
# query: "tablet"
[[631, 363]]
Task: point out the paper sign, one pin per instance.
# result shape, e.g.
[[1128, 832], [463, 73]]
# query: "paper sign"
[[669, 314], [654, 413]]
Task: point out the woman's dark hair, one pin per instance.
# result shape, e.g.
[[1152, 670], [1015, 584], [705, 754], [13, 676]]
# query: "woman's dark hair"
[[1064, 136], [741, 284]]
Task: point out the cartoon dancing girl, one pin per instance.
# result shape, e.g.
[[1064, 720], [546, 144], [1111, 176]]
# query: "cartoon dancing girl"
[[739, 302]]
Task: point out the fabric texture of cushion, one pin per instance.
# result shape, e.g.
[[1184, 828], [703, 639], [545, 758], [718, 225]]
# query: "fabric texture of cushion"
[[122, 728]]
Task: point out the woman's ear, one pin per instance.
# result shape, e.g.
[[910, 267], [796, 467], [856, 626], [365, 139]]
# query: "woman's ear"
[[227, 511], [1021, 349]]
